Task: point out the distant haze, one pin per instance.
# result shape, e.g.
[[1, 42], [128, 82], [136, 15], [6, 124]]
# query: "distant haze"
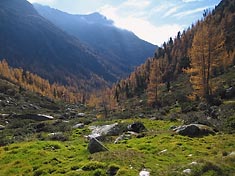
[[152, 20]]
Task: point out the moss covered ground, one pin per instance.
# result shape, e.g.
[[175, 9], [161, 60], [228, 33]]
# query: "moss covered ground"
[[159, 150]]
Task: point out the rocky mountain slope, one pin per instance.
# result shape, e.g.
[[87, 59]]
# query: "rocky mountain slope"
[[30, 41], [121, 48]]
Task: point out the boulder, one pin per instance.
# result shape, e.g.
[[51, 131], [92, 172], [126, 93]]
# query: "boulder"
[[81, 114], [187, 171], [95, 146], [105, 130], [194, 130], [2, 127], [137, 127], [79, 125], [4, 115], [144, 173], [230, 92], [37, 117]]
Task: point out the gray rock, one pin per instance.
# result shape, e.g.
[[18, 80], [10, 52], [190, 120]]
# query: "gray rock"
[[230, 92], [122, 137], [79, 125], [137, 127], [95, 146], [144, 173], [232, 154], [202, 106], [2, 127], [194, 130], [55, 134], [105, 130], [37, 117], [4, 115], [81, 114], [187, 171]]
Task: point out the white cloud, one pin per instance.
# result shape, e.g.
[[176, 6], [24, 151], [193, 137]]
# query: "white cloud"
[[136, 4], [140, 26], [171, 11], [190, 12]]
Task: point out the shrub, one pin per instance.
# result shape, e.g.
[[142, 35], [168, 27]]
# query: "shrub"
[[38, 173], [112, 169], [93, 166], [208, 168], [74, 167], [230, 124], [99, 172], [58, 137]]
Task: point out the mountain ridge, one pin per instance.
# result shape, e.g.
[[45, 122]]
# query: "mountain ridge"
[[35, 44], [115, 45]]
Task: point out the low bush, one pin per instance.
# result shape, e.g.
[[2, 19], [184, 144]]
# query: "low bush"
[[93, 165]]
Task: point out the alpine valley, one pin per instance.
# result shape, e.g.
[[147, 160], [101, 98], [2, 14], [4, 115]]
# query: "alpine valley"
[[81, 97]]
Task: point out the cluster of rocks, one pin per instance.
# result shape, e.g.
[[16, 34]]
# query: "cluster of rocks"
[[100, 132]]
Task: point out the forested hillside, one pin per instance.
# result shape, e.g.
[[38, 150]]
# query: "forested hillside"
[[33, 43], [202, 52]]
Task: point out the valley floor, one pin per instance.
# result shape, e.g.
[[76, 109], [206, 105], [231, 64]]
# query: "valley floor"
[[158, 150]]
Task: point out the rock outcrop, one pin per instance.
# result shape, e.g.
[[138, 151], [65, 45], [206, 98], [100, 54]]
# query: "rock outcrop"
[[95, 146], [137, 127], [194, 130]]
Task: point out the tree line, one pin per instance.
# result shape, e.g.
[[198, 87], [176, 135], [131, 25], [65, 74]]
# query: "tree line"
[[203, 51]]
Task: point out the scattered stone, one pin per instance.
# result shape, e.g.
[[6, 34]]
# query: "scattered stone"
[[163, 151], [54, 134], [122, 137], [202, 106], [4, 115], [144, 173], [81, 114], [232, 154], [137, 127], [48, 117], [2, 127], [193, 163], [79, 125], [230, 92], [95, 146], [187, 171], [37, 117], [194, 130], [34, 106]]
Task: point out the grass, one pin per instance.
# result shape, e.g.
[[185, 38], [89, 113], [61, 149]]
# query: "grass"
[[160, 151]]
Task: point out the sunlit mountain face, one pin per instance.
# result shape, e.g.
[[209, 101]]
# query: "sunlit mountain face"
[[34, 43], [152, 20]]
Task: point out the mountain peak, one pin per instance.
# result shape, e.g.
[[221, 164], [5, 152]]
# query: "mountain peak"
[[18, 7], [98, 19], [93, 18]]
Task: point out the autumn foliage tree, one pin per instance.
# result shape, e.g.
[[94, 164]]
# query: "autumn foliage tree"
[[32, 82], [206, 57], [154, 80]]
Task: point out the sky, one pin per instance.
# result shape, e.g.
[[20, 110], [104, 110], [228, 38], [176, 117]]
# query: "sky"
[[152, 20]]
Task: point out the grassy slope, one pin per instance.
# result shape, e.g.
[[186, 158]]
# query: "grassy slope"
[[46, 157], [69, 158]]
